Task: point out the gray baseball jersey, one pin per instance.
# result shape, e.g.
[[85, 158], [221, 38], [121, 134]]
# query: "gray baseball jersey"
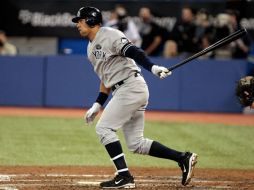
[[104, 52], [126, 108]]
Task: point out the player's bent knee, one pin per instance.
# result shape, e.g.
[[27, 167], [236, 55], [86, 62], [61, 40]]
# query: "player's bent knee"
[[133, 149], [106, 135], [141, 147]]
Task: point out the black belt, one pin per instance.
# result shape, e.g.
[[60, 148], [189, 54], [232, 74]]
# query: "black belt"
[[117, 85]]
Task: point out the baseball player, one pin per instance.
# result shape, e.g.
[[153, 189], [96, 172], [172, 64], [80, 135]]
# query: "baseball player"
[[115, 61]]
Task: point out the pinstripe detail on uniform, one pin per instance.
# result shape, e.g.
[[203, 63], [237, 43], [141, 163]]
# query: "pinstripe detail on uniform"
[[118, 156], [111, 52], [125, 48]]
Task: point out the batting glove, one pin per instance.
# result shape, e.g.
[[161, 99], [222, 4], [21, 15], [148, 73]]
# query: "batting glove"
[[160, 71], [92, 112]]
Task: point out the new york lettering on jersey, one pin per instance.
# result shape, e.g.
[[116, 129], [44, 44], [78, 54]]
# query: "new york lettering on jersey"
[[98, 53]]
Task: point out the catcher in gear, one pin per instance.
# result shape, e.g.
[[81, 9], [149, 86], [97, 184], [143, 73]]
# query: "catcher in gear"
[[115, 60], [245, 91]]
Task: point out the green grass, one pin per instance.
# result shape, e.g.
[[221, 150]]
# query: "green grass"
[[60, 141]]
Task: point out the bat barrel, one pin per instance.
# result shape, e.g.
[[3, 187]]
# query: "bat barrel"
[[234, 36]]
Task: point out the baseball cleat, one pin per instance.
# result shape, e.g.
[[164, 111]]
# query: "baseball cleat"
[[119, 182], [187, 166]]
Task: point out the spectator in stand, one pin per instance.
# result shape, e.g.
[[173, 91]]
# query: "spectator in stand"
[[170, 49], [6, 48], [203, 23], [205, 41], [1, 46], [151, 33], [205, 31], [121, 21], [241, 47], [183, 33], [221, 24]]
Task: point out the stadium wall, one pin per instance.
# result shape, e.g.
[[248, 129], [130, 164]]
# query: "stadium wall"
[[69, 81]]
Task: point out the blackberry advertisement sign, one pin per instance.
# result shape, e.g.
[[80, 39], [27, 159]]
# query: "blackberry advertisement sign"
[[53, 17]]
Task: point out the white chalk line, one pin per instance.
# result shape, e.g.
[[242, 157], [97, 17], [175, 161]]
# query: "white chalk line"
[[96, 184], [142, 182], [5, 178], [8, 188], [2, 176], [8, 177]]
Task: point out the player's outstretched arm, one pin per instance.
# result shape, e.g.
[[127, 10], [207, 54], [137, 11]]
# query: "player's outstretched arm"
[[101, 99], [138, 55]]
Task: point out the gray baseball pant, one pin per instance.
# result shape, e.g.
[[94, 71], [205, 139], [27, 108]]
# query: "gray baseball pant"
[[126, 111]]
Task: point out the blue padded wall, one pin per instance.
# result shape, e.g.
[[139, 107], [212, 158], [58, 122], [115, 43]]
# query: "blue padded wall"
[[21, 81], [71, 82], [208, 85]]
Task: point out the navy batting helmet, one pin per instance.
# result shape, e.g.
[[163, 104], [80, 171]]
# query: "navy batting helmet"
[[91, 15]]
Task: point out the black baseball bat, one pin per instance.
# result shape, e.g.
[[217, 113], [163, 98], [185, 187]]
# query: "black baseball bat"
[[234, 36]]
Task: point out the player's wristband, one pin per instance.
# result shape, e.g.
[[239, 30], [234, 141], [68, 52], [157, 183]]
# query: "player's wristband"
[[102, 98]]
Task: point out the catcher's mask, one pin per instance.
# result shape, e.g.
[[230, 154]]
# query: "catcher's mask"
[[245, 90]]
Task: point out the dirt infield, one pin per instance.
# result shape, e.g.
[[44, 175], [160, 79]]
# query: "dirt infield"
[[220, 118], [77, 178], [84, 177]]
